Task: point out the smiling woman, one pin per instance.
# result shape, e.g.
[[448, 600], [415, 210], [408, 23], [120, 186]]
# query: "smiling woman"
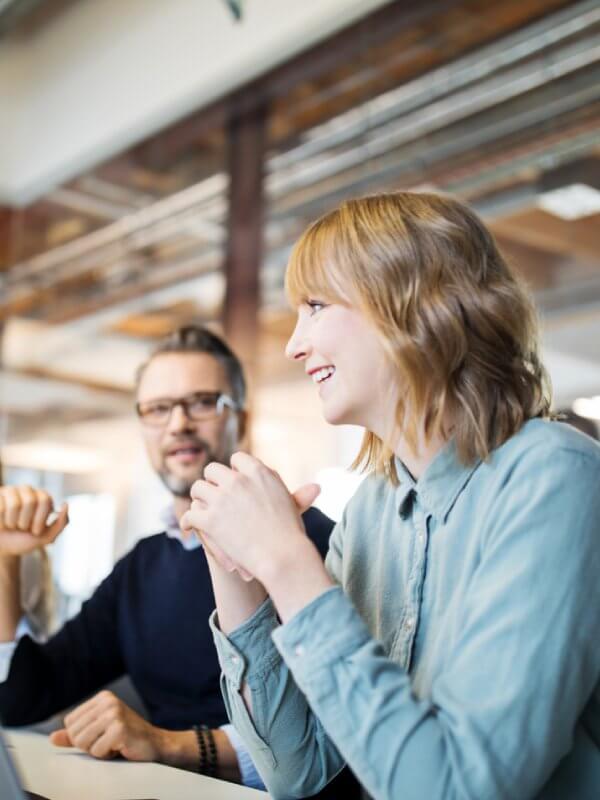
[[448, 648], [451, 316]]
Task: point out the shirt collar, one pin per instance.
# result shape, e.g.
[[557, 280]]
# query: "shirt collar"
[[439, 486], [172, 529]]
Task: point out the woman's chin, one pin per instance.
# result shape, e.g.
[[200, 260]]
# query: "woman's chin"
[[337, 416]]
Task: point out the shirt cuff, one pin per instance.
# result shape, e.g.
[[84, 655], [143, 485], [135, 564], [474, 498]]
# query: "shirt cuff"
[[250, 776], [326, 630], [248, 653], [8, 648], [6, 653]]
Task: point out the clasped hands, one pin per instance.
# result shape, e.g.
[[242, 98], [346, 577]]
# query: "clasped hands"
[[246, 517]]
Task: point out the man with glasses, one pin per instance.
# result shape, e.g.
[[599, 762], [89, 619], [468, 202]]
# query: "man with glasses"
[[149, 617]]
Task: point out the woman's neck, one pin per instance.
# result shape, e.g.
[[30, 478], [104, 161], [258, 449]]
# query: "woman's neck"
[[417, 462]]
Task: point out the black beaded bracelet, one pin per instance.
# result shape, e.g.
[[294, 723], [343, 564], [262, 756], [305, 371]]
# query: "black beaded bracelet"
[[202, 754], [211, 766], [207, 751]]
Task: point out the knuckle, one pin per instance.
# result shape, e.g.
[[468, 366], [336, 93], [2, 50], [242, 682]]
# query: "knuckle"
[[27, 494], [11, 498], [105, 696], [44, 504], [77, 740]]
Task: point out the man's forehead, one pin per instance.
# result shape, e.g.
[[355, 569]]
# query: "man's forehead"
[[175, 374]]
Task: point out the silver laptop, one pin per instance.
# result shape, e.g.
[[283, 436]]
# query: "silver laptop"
[[10, 785]]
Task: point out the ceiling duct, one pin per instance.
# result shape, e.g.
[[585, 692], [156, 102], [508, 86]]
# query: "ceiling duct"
[[13, 12]]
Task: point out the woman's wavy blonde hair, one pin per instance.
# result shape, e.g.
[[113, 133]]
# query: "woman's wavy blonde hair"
[[453, 318]]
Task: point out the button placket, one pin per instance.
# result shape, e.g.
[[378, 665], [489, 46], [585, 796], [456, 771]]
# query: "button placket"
[[415, 582]]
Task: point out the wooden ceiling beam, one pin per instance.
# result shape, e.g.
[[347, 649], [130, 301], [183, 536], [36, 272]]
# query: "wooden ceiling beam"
[[579, 239]]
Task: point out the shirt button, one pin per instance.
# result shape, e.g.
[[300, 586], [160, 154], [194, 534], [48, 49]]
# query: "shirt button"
[[409, 624], [235, 660], [299, 650]]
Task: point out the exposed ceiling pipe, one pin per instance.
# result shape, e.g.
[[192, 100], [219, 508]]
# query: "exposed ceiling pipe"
[[198, 210], [437, 83]]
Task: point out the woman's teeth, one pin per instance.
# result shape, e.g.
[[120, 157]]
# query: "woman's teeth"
[[322, 374]]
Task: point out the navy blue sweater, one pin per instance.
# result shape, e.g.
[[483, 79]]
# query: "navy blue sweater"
[[148, 618]]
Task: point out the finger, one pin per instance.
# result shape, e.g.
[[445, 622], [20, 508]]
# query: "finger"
[[11, 508], [306, 495], [2, 507], [204, 491], [244, 574], [61, 738], [246, 464], [110, 743], [79, 711], [59, 524], [190, 521], [42, 510], [86, 735], [27, 502], [94, 706], [185, 525], [219, 555], [84, 731], [218, 474]]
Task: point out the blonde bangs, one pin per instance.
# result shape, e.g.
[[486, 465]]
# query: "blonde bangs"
[[313, 270]]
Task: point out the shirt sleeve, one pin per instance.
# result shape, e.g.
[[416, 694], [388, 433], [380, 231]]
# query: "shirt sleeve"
[[250, 776], [502, 715], [249, 656]]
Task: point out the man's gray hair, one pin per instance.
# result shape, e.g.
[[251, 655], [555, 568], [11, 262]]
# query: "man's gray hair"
[[197, 339]]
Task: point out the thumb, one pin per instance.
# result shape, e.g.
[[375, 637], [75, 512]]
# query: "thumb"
[[306, 495], [59, 524], [61, 738]]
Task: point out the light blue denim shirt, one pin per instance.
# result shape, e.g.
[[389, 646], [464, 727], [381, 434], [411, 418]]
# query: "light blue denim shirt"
[[460, 655]]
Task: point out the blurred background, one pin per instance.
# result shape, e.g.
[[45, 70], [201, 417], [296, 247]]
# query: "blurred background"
[[158, 159]]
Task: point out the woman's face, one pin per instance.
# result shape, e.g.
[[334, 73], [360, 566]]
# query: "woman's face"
[[344, 357]]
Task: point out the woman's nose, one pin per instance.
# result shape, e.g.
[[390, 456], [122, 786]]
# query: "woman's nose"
[[297, 347]]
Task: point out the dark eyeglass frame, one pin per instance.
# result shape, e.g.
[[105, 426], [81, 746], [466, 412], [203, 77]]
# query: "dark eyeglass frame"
[[221, 402]]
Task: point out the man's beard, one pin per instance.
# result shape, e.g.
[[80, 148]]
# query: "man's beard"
[[181, 486]]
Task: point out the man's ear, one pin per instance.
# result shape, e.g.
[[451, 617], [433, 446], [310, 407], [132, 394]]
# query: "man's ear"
[[242, 417]]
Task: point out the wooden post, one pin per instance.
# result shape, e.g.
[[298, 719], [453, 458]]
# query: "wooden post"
[[246, 142]]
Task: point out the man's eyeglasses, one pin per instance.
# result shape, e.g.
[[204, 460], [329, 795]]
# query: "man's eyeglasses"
[[197, 407]]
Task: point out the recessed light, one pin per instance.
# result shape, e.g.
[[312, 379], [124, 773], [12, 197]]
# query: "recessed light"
[[571, 202], [588, 407]]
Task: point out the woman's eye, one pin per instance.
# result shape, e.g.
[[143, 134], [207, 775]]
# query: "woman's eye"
[[315, 306]]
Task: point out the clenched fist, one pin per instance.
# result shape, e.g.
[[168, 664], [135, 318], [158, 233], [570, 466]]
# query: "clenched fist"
[[105, 727], [25, 523]]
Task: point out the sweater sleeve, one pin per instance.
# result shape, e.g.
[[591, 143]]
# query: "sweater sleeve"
[[318, 529], [84, 655]]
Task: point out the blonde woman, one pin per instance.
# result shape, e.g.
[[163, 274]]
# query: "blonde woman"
[[449, 648]]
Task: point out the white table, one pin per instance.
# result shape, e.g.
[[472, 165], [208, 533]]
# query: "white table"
[[66, 774]]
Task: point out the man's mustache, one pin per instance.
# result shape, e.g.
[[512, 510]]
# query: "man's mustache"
[[186, 441]]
